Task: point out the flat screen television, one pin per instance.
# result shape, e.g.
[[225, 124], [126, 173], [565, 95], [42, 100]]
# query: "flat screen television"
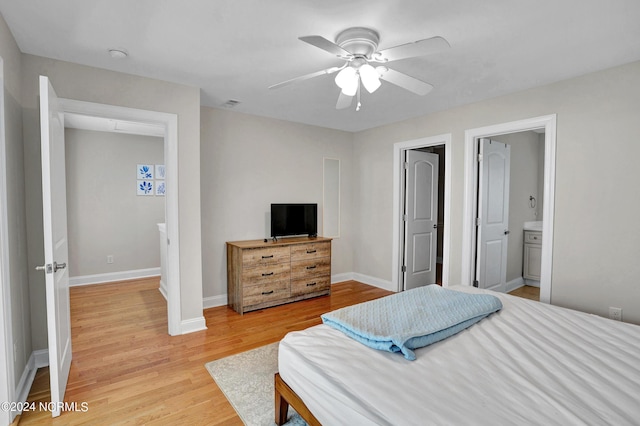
[[294, 219]]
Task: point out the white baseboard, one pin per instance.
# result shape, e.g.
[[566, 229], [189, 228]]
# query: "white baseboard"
[[214, 301], [193, 325], [376, 282], [338, 278], [366, 279], [532, 283], [113, 276], [37, 359], [163, 290], [41, 358], [513, 284], [222, 300]]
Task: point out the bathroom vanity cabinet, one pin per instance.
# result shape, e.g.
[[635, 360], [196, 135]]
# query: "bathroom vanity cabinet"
[[532, 261]]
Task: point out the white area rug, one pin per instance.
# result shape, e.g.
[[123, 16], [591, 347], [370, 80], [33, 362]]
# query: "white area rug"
[[246, 379]]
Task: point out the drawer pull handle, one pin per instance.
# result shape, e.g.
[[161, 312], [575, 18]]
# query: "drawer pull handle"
[[267, 257], [311, 284], [267, 275], [311, 267], [264, 293], [311, 251]]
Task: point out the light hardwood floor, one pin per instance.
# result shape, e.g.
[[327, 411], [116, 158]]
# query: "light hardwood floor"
[[527, 292], [130, 371]]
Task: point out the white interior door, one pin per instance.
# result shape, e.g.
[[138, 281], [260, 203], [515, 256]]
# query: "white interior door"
[[421, 218], [54, 200], [493, 214]]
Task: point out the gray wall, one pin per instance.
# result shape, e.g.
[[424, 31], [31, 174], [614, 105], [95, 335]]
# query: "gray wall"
[[525, 169], [596, 229], [14, 175], [104, 214], [249, 162], [84, 83]]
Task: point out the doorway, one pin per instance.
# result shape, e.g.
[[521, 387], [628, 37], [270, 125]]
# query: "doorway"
[[169, 123], [440, 147], [546, 124]]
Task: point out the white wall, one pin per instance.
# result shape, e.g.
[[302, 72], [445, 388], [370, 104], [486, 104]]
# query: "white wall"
[[84, 83], [105, 216], [596, 227], [19, 322], [249, 162]]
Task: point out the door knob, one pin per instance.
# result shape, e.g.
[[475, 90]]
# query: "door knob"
[[57, 266], [47, 268], [506, 232]]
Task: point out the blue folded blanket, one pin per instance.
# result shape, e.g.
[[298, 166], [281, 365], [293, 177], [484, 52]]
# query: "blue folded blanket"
[[412, 319]]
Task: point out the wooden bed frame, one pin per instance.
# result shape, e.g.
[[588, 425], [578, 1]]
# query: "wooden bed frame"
[[285, 397]]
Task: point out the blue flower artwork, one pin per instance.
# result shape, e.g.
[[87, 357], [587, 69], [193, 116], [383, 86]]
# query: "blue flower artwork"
[[160, 188], [160, 171], [145, 171], [145, 187]]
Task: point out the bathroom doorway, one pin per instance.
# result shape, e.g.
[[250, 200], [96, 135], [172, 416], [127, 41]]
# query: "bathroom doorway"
[[544, 202], [523, 214]]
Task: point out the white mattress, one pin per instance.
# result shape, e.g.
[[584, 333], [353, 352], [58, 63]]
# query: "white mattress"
[[530, 363]]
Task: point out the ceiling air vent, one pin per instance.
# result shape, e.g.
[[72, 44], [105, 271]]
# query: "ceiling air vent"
[[231, 103]]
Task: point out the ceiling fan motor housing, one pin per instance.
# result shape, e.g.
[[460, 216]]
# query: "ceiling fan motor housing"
[[359, 41]]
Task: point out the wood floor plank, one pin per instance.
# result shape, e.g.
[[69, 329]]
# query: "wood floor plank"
[[129, 371]]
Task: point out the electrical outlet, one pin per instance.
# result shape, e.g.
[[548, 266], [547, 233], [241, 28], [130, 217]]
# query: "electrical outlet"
[[110, 258], [615, 313]]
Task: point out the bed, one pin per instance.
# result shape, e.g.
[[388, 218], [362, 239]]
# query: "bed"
[[529, 363]]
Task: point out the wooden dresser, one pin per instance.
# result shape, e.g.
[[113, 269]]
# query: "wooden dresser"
[[260, 275]]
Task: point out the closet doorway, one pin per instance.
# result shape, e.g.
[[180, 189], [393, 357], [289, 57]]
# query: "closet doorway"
[[421, 211]]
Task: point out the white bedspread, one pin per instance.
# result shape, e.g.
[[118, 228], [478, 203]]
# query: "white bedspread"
[[530, 363]]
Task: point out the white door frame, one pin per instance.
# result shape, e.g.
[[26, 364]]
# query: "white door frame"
[[399, 149], [548, 123], [170, 123], [7, 362]]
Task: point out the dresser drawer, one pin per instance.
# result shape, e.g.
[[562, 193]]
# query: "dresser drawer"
[[533, 237], [265, 256], [310, 250], [256, 294], [261, 274], [310, 285], [310, 268]]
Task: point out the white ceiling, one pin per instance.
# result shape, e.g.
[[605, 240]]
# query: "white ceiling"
[[236, 49]]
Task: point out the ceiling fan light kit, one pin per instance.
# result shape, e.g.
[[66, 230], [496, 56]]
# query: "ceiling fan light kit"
[[358, 47]]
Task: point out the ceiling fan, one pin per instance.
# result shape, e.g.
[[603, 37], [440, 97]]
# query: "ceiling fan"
[[358, 47]]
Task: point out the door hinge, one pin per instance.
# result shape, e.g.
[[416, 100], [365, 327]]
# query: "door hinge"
[[404, 268], [477, 221], [406, 165], [405, 217], [476, 283], [479, 158]]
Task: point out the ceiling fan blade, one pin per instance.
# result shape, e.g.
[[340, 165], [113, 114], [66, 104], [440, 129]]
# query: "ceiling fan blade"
[[326, 45], [344, 101], [403, 80], [410, 50], [306, 77]]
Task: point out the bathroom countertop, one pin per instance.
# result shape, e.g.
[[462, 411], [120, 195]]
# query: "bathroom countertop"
[[533, 226]]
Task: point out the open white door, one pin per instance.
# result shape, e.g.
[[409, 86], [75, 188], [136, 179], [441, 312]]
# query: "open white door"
[[54, 208], [493, 213], [421, 219]]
